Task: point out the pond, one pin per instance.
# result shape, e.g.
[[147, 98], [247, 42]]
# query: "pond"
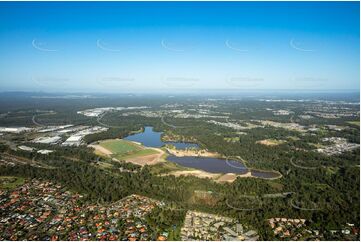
[[151, 138]]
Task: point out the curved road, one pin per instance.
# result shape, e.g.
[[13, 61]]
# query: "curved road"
[[37, 123], [302, 167], [304, 209], [174, 126], [103, 124]]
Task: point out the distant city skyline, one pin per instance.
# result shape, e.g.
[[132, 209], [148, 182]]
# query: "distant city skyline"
[[155, 46]]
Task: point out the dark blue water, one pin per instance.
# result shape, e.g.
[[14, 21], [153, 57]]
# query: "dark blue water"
[[216, 165], [152, 139], [213, 165]]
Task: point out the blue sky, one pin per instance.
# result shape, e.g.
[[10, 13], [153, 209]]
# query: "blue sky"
[[122, 46]]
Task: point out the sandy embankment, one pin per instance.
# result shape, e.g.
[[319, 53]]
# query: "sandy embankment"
[[218, 177], [191, 152], [197, 173], [231, 177]]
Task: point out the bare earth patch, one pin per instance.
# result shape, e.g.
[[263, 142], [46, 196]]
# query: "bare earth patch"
[[197, 173], [190, 152], [231, 177], [218, 177], [270, 142], [147, 159], [101, 150]]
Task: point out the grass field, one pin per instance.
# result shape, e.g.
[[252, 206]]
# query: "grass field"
[[232, 139], [293, 138], [357, 123], [167, 167], [10, 182], [139, 153], [275, 185], [120, 147], [123, 149]]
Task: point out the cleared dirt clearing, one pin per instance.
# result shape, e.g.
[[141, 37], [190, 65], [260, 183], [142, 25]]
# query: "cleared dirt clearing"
[[270, 142], [147, 159], [101, 150]]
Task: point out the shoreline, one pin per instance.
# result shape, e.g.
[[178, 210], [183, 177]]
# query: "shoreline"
[[222, 176], [192, 152], [217, 177]]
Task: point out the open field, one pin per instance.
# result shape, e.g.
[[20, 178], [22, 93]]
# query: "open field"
[[118, 146], [10, 182], [357, 123], [270, 142], [150, 156], [143, 152], [232, 139], [129, 151], [228, 177], [145, 160], [100, 150], [293, 138]]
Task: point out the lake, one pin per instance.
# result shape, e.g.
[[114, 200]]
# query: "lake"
[[152, 139], [216, 165], [213, 165]]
